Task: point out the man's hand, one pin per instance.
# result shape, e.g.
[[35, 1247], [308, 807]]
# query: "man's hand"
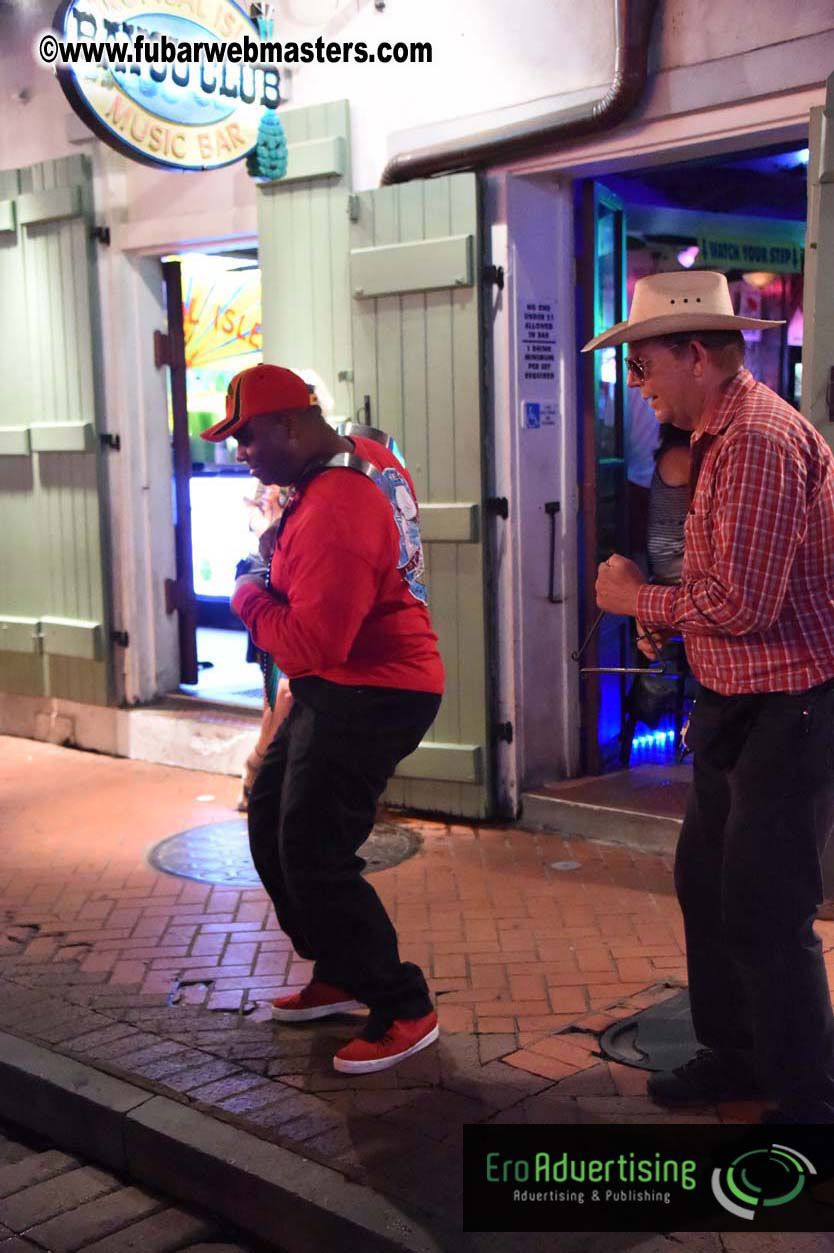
[[650, 642], [243, 580], [618, 582]]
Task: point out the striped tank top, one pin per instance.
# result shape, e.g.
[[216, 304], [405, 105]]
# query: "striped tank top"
[[668, 507]]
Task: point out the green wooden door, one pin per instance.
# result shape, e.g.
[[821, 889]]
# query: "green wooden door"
[[54, 639], [415, 281], [303, 251]]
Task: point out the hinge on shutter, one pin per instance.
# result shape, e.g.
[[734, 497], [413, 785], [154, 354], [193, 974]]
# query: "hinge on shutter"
[[108, 440], [100, 234], [353, 208], [498, 505], [503, 731], [176, 595], [494, 274], [161, 349], [121, 638]]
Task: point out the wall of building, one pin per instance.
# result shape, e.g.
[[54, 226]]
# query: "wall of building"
[[492, 63], [483, 68], [485, 57]]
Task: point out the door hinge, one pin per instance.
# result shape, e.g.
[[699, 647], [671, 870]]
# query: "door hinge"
[[353, 208], [108, 439], [497, 505], [503, 731], [161, 349], [100, 235], [176, 596], [494, 274], [121, 638]]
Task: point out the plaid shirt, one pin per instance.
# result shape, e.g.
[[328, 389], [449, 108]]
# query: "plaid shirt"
[[756, 602]]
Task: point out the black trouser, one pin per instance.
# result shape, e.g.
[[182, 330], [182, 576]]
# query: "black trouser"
[[748, 879], [312, 805]]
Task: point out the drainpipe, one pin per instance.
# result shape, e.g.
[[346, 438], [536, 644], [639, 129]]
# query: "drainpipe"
[[633, 25]]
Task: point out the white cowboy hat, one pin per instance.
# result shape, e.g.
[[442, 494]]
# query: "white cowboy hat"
[[682, 300]]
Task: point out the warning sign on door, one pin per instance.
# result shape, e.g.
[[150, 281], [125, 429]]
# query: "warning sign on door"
[[538, 343]]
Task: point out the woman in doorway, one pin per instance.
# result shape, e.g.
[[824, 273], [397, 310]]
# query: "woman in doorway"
[[668, 505], [652, 695]]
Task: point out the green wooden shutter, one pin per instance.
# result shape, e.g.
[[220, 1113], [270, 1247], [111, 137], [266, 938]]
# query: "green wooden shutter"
[[415, 280], [53, 623], [303, 250]]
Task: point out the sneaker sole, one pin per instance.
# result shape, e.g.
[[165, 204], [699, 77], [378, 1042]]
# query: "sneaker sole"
[[316, 1011], [382, 1063]]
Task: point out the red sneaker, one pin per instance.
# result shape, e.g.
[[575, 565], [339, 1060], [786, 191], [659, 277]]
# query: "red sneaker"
[[317, 1000], [404, 1037]]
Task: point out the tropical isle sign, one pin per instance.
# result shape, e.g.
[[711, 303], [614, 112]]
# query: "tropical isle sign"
[[183, 115]]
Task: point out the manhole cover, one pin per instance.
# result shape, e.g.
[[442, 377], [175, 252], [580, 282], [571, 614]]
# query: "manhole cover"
[[658, 1038], [219, 852]]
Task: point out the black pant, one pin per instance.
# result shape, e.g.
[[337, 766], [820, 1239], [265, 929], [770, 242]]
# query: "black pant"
[[748, 878], [312, 805]]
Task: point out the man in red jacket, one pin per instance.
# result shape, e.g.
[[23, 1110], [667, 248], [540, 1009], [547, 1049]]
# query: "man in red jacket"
[[343, 613]]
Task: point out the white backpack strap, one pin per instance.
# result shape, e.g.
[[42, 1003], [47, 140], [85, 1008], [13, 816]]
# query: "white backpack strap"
[[369, 432]]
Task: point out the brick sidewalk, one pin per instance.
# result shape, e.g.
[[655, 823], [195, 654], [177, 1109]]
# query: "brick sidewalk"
[[166, 981]]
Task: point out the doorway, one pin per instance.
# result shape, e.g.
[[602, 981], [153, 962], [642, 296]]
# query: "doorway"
[[743, 214], [218, 505]]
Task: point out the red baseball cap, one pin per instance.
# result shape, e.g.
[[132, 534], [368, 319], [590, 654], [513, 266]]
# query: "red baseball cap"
[[260, 389]]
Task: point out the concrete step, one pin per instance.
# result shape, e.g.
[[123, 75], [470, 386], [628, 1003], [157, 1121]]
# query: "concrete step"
[[196, 734], [177, 730], [642, 807]]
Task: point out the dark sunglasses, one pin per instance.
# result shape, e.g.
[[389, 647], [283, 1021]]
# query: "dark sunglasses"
[[638, 367]]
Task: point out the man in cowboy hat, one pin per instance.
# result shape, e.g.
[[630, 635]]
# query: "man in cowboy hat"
[[343, 612], [756, 611]]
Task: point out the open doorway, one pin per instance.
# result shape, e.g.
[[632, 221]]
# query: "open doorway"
[[218, 505], [742, 214]]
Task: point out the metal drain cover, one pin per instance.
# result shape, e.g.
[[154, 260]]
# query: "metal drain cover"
[[658, 1038], [219, 852]]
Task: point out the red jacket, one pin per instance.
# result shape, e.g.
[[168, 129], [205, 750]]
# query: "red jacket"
[[347, 600]]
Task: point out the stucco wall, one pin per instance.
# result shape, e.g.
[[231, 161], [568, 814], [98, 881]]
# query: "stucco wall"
[[492, 62], [691, 32]]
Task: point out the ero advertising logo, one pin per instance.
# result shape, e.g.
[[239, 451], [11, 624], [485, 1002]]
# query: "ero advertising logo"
[[761, 1177], [583, 1177], [187, 115]]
